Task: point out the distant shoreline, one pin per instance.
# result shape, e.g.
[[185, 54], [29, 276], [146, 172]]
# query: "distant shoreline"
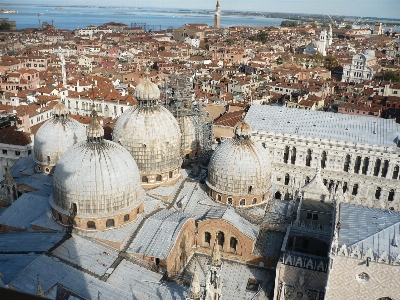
[[282, 15]]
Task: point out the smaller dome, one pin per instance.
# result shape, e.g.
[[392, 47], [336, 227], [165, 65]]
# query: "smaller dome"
[[54, 137], [370, 53], [60, 109], [147, 90], [243, 130]]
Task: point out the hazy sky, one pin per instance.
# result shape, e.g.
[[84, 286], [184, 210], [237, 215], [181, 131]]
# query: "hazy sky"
[[364, 8]]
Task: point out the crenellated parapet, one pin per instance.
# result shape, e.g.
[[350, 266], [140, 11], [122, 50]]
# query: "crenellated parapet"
[[369, 255]]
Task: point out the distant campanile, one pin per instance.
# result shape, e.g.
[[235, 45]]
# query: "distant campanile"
[[217, 17]]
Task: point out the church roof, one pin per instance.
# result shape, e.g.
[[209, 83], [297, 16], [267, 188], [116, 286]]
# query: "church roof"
[[159, 233], [369, 228], [323, 125]]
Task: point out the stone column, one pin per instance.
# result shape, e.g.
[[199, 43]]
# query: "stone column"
[[351, 164], [389, 174], [371, 166], [289, 161]]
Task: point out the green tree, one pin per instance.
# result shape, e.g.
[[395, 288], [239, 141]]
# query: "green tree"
[[5, 25], [330, 63], [348, 26], [288, 23], [261, 36], [161, 48], [390, 75]]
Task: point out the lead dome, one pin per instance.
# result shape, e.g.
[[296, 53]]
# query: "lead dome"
[[239, 172], [152, 135], [54, 137], [97, 183]]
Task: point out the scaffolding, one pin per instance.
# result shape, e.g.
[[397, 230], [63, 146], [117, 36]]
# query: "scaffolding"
[[179, 98]]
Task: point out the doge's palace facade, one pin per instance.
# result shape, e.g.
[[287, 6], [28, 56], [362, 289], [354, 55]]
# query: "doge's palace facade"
[[360, 155]]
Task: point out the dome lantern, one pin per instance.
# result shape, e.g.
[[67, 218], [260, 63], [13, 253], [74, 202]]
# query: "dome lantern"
[[60, 111], [94, 132], [147, 93], [243, 131]]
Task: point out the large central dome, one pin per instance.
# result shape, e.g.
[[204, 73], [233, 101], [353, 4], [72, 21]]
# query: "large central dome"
[[97, 182], [152, 135]]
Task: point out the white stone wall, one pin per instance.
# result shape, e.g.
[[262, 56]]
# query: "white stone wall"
[[288, 154]]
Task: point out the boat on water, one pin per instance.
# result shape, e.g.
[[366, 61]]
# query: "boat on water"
[[6, 11]]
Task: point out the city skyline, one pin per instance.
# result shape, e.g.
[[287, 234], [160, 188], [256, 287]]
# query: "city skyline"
[[381, 9]]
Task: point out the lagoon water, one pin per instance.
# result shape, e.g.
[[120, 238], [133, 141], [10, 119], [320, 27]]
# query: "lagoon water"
[[72, 17]]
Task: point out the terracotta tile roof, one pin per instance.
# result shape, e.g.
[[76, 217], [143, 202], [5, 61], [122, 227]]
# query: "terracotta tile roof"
[[10, 136], [230, 119]]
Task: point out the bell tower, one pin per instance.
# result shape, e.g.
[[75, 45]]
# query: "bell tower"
[[217, 16]]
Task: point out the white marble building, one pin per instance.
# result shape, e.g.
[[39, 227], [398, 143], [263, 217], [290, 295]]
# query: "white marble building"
[[361, 153], [360, 68]]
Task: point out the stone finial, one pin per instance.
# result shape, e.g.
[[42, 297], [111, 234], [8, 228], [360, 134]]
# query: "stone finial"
[[216, 255], [195, 290], [39, 289], [9, 177]]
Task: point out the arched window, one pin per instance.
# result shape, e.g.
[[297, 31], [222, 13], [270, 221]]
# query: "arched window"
[[230, 201], [254, 201], [308, 158], [91, 225], [378, 193], [74, 209], [110, 223], [278, 195], [323, 160], [377, 167], [48, 160], [145, 179], [357, 165], [170, 174], [365, 166], [287, 179], [355, 189], [158, 178], [221, 238], [126, 218], [391, 195], [242, 202], [233, 243], [250, 189], [395, 172], [293, 158], [219, 197], [207, 237], [385, 168], [344, 187], [286, 155], [346, 163]]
